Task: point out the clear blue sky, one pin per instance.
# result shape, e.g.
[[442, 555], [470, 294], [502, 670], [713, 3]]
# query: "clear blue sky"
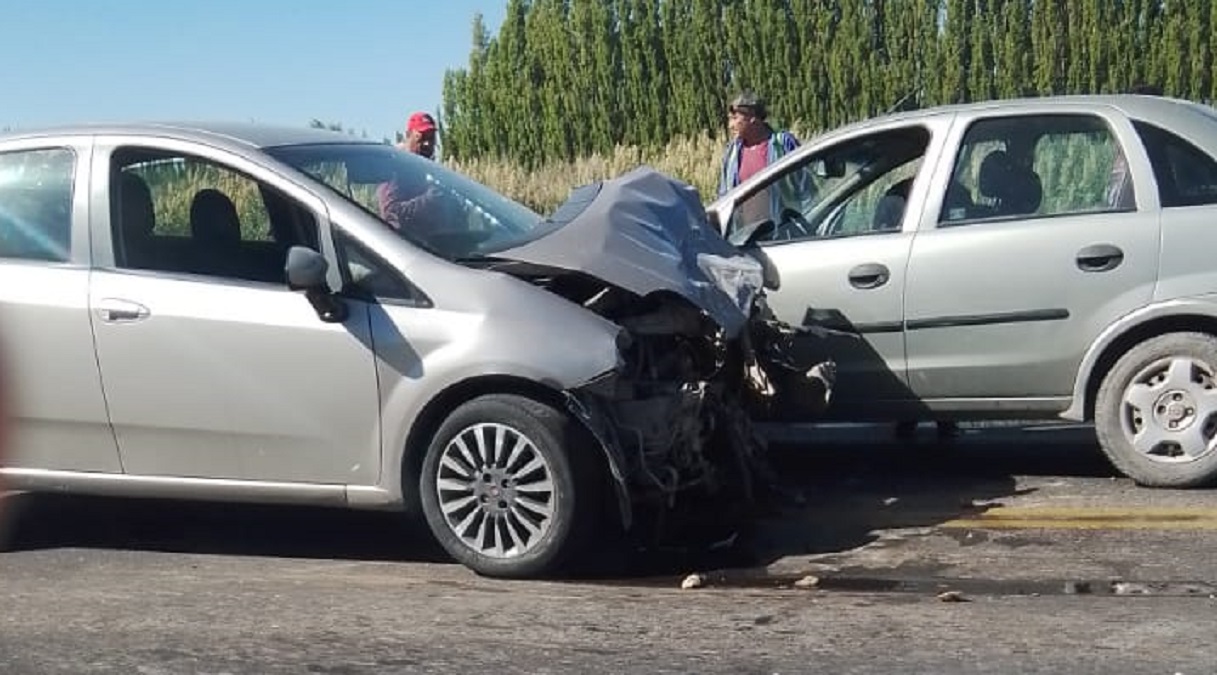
[[364, 63]]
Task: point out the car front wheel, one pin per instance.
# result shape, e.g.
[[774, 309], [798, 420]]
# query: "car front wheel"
[[1156, 411], [509, 487]]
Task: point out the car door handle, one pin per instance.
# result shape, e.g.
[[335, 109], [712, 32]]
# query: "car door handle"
[[115, 310], [1099, 258], [870, 275]]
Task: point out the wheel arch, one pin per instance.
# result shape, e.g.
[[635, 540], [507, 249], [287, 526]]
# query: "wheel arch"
[[433, 414], [1083, 408]]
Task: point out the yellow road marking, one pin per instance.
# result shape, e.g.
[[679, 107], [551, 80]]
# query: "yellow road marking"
[[1090, 518]]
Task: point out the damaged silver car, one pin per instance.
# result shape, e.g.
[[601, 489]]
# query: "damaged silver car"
[[223, 313]]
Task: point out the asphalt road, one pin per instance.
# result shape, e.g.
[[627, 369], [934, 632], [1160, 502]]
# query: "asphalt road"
[[1049, 564]]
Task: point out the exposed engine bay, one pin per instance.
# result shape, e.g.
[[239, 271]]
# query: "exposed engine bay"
[[678, 417], [702, 357]]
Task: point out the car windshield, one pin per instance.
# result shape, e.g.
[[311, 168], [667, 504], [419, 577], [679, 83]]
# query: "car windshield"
[[429, 205]]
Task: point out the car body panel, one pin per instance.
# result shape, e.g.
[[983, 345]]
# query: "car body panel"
[[1005, 318], [423, 352], [226, 370], [816, 288], [60, 417], [870, 367], [240, 381], [44, 312], [1001, 309], [1188, 269], [1198, 309], [646, 233]]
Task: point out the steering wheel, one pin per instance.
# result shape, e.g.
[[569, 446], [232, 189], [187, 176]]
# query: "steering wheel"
[[794, 225]]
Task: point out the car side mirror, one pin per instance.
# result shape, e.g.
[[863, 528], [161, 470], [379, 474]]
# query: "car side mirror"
[[306, 271], [772, 279]]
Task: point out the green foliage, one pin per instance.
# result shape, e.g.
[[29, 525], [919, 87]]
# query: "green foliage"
[[565, 79], [174, 184]]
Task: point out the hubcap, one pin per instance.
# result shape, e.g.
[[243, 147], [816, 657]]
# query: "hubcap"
[[496, 490], [1170, 410]]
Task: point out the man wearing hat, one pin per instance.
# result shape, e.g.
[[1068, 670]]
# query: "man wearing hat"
[[420, 135], [409, 201], [754, 145]]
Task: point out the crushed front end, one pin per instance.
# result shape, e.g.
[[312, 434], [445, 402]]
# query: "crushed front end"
[[679, 415], [702, 357]]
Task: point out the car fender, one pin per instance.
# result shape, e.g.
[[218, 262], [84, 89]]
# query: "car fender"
[[1200, 307]]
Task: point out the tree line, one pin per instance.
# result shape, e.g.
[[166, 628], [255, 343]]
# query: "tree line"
[[569, 78]]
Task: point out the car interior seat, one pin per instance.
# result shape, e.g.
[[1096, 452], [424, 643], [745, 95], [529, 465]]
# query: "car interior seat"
[[215, 230], [1014, 189], [958, 203], [889, 212], [136, 222]]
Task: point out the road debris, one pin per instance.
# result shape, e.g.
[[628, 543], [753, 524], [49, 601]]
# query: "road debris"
[[809, 581], [693, 581], [952, 596], [1127, 588]]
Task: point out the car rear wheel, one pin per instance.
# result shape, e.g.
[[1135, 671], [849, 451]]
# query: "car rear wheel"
[[1156, 411], [509, 487]]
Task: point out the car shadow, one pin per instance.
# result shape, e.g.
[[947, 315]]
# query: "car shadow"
[[857, 482], [853, 491], [48, 521]]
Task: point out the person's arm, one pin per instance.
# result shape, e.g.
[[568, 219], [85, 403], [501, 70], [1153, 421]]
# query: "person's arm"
[[789, 142], [724, 171], [799, 179], [397, 211]]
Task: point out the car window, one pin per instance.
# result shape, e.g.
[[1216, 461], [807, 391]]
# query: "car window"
[[1025, 166], [179, 213], [369, 274], [423, 201], [1186, 175], [36, 204], [856, 187]]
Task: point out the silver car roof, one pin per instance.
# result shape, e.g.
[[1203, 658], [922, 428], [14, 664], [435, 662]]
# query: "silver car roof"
[[1161, 108], [250, 135]]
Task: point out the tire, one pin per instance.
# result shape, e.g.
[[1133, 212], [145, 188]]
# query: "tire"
[[1156, 411], [522, 543]]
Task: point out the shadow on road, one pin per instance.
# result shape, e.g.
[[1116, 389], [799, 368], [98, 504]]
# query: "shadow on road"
[[856, 482], [43, 521], [861, 481], [855, 489]]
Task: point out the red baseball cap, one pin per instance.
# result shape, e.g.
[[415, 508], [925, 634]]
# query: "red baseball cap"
[[420, 121]]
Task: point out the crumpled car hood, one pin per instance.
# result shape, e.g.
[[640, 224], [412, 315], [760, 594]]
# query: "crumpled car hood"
[[647, 232]]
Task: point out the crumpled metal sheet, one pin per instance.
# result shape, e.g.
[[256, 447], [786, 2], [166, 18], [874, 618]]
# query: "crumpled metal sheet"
[[646, 232]]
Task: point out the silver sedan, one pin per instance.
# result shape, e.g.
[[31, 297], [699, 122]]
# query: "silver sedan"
[[1036, 258], [241, 312]]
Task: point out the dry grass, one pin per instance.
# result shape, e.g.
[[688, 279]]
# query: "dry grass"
[[693, 160], [1078, 170]]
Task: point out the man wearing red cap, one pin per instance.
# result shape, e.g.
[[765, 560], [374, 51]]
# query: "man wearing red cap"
[[420, 135], [403, 200]]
